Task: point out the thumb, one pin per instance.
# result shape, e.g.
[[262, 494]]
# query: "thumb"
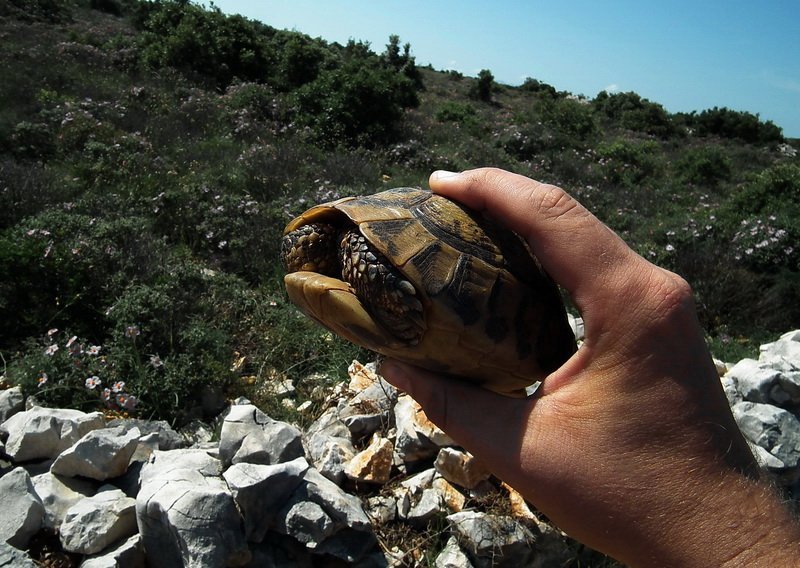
[[468, 413]]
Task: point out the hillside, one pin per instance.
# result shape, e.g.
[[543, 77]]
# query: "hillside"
[[151, 152]]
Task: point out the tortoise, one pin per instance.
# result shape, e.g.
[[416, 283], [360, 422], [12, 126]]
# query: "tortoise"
[[418, 277]]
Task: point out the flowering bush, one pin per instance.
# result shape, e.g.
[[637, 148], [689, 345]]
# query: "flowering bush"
[[61, 369]]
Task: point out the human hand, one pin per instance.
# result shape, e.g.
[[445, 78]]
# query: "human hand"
[[630, 446]]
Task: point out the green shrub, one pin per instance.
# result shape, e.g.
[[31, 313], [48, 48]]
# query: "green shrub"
[[460, 113], [632, 112], [483, 88], [628, 164], [727, 123], [705, 167]]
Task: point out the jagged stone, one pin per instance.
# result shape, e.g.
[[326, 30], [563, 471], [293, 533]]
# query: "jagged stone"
[[12, 401], [43, 433], [249, 435], [11, 557], [196, 433], [368, 410], [381, 509], [165, 437], [261, 491], [428, 506], [783, 354], [351, 537], [186, 512], [128, 553], [23, 511], [94, 523], [417, 437], [461, 468], [759, 382], [330, 446], [373, 464], [774, 429], [58, 494], [452, 556], [493, 540], [452, 497], [100, 454], [307, 522]]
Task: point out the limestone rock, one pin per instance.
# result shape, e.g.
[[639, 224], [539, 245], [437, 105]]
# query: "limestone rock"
[[329, 445], [186, 512], [350, 537], [128, 553], [58, 494], [249, 435], [11, 557], [759, 382], [774, 429], [307, 522], [369, 409], [381, 509], [11, 402], [452, 556], [784, 353], [261, 491], [23, 511], [159, 433], [95, 522], [417, 437], [43, 433], [493, 540], [452, 497], [461, 468], [100, 454], [373, 464], [429, 506]]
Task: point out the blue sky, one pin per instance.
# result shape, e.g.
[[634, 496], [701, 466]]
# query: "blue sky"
[[686, 55]]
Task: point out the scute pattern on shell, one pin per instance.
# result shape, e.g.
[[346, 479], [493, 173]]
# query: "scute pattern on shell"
[[492, 315]]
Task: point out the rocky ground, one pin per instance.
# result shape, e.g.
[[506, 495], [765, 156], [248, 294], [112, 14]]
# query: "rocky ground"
[[371, 482]]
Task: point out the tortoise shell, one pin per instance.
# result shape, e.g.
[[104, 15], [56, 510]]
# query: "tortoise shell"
[[490, 313]]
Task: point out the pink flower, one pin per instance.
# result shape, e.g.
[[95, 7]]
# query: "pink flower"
[[93, 350], [127, 401], [118, 386], [42, 380]]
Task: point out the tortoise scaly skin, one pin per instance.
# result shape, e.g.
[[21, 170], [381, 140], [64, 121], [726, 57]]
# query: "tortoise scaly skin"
[[415, 276]]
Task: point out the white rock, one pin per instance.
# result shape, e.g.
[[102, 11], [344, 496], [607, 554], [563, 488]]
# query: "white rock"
[[381, 509], [128, 553], [329, 445], [461, 468], [96, 522], [373, 464], [43, 433], [307, 522], [495, 538], [186, 513], [11, 557], [100, 454], [58, 494], [452, 556], [774, 429], [261, 491], [783, 353], [429, 506], [757, 381], [22, 510], [249, 435], [417, 437], [11, 402]]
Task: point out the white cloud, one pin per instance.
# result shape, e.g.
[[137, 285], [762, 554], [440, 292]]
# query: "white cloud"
[[612, 88]]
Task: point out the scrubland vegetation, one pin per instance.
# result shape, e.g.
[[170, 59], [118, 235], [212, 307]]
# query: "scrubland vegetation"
[[151, 153]]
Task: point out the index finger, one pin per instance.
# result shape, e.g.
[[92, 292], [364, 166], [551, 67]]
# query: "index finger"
[[577, 249]]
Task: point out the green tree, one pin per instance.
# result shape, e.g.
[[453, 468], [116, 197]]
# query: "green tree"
[[484, 87]]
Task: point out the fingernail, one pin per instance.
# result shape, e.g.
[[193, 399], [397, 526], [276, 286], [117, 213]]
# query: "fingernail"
[[444, 174]]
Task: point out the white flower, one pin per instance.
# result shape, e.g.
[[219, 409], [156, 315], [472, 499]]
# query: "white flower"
[[51, 350], [670, 248], [93, 382]]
